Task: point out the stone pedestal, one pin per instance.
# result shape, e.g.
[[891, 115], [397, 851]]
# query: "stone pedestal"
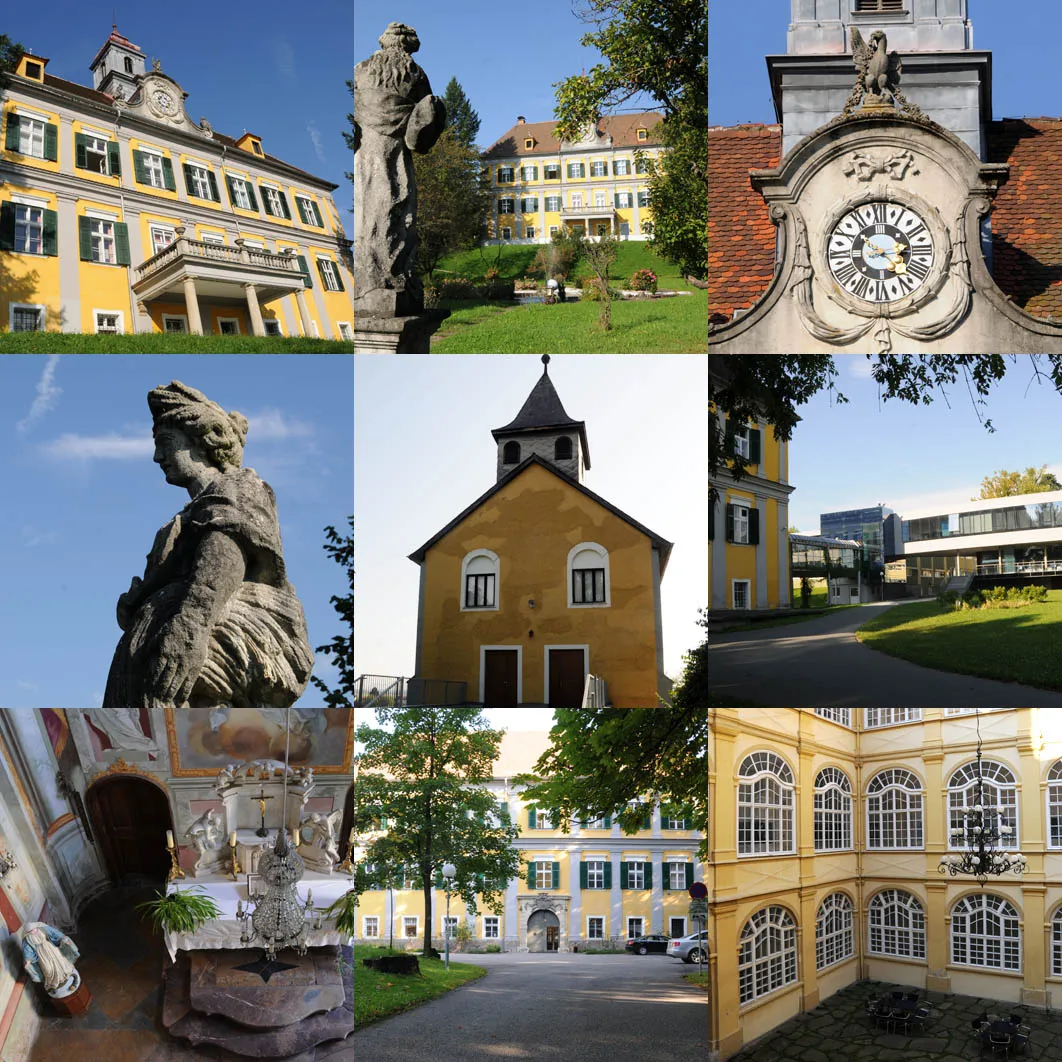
[[397, 335], [76, 1002]]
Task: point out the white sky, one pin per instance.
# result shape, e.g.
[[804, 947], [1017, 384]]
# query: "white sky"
[[423, 452]]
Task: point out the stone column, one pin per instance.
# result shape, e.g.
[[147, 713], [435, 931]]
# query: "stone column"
[[191, 301], [510, 936], [257, 325], [69, 263], [304, 312]]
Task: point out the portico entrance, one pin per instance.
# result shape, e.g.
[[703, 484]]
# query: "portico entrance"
[[543, 931], [542, 922]]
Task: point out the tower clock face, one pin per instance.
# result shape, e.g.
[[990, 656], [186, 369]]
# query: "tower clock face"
[[163, 101], [880, 252]]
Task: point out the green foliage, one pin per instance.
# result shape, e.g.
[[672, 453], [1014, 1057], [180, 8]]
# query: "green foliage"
[[179, 912], [560, 256], [947, 600], [344, 909], [341, 648], [492, 949], [1013, 596], [351, 135], [599, 255], [1006, 484], [643, 280], [460, 117], [10, 53], [805, 592]]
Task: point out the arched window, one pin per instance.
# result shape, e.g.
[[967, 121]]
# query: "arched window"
[[897, 925], [985, 932], [511, 453], [128, 65], [1000, 802], [894, 810], [833, 811], [562, 449], [765, 805], [588, 576], [833, 931], [479, 580], [1054, 805], [767, 959], [1056, 943]]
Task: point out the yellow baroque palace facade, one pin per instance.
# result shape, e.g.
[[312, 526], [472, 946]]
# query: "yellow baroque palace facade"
[[592, 887], [541, 185], [118, 213], [826, 832]]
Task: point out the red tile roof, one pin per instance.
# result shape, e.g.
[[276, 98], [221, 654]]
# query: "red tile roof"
[[623, 128], [740, 234]]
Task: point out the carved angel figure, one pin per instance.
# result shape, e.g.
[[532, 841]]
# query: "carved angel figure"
[[324, 830], [879, 70], [205, 835]]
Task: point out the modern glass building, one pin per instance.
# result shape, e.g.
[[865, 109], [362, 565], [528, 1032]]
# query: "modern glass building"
[[872, 526]]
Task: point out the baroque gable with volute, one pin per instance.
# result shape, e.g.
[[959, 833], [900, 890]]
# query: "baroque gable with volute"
[[160, 99], [880, 216]]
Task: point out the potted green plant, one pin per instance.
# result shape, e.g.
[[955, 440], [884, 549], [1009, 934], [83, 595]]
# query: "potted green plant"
[[180, 911], [345, 913]]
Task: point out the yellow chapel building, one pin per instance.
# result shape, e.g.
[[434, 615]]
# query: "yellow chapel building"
[[120, 214], [542, 592]]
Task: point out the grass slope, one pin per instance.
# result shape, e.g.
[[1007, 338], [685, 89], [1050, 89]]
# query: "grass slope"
[[379, 995], [658, 326], [1012, 645], [162, 343]]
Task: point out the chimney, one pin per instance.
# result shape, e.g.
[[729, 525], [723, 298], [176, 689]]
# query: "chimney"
[[520, 119]]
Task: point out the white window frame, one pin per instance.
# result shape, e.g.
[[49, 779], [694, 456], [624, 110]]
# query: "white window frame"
[[92, 139], [255, 245], [741, 523], [633, 932], [677, 882], [599, 165], [677, 918], [577, 200], [119, 314], [553, 229], [502, 171], [30, 131], [764, 774], [345, 329], [453, 921], [873, 718], [1056, 943], [548, 864], [1054, 806], [329, 273], [832, 811], [834, 931], [529, 232], [995, 933], [519, 670], [480, 562], [492, 922], [29, 225], [99, 237], [624, 200], [639, 871], [309, 208], [622, 172], [599, 554], [42, 315], [406, 919], [153, 167], [1000, 791], [741, 442], [375, 920], [182, 317], [506, 232], [886, 816], [590, 926], [762, 971], [229, 320], [896, 925], [600, 198], [734, 584], [211, 237], [595, 873], [836, 715], [512, 205], [156, 230], [200, 181], [239, 189], [273, 195]]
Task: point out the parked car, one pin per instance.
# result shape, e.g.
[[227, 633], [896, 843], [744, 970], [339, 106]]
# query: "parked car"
[[691, 948], [649, 942]]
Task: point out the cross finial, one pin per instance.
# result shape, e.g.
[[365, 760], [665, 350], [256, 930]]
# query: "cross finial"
[[545, 362]]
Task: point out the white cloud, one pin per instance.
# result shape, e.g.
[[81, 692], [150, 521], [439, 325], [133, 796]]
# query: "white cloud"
[[30, 687], [318, 145], [858, 365], [72, 447], [272, 424], [47, 394], [33, 536], [285, 59]]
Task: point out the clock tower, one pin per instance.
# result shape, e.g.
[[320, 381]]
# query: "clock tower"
[[118, 66]]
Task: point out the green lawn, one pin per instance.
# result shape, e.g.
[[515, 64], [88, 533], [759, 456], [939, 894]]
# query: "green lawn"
[[378, 995], [700, 980], [515, 261], [1013, 644], [658, 326], [161, 342], [797, 617]]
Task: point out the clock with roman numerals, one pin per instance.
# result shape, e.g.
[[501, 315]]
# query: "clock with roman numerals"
[[880, 251]]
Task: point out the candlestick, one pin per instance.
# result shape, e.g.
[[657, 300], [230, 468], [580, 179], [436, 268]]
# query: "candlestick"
[[175, 867], [353, 834], [232, 839], [169, 839]]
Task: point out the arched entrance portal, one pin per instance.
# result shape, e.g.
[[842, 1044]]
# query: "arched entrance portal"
[[543, 931], [130, 817]]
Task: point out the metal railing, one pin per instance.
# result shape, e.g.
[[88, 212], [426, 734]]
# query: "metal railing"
[[1021, 568], [396, 691]]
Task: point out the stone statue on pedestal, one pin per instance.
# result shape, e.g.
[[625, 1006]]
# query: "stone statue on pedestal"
[[206, 835], [48, 957], [214, 621], [321, 852]]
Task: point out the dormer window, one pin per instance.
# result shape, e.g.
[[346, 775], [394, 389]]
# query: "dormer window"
[[562, 449], [529, 143], [643, 134], [33, 70], [511, 453]]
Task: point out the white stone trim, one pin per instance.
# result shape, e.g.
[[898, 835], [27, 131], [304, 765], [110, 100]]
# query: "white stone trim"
[[36, 116], [96, 131], [468, 558], [233, 320], [12, 307], [175, 317], [22, 199], [593, 547], [100, 215], [96, 323]]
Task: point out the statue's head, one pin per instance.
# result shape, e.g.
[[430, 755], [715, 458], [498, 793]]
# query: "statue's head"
[[399, 35], [876, 38], [217, 435]]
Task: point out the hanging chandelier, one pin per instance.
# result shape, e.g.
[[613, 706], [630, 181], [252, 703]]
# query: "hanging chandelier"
[[982, 833]]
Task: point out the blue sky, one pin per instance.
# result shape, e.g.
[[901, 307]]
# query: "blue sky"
[[424, 452], [913, 457], [740, 91], [506, 59], [268, 67], [83, 498]]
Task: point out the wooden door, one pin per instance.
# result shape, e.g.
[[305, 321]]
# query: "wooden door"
[[566, 678], [499, 678], [130, 817], [552, 938]]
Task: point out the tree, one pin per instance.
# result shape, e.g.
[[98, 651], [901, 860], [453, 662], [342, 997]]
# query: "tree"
[[426, 777], [349, 137], [600, 255], [561, 255], [459, 115], [603, 760], [453, 200], [1005, 484], [341, 648], [10, 53]]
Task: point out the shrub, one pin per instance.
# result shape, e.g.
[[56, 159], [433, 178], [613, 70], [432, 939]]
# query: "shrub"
[[643, 280], [491, 274], [457, 288], [946, 599], [526, 284], [431, 296], [492, 949], [973, 599], [498, 289], [592, 290]]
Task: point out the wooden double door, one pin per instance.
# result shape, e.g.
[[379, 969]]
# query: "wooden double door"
[[501, 685]]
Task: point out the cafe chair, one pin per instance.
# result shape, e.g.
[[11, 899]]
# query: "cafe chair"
[[912, 996], [1000, 1043]]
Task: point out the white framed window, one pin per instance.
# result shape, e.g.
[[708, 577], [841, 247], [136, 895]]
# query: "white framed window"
[[740, 593], [272, 196], [1054, 805], [174, 322], [676, 876], [228, 326], [875, 717], [29, 229], [765, 805], [1056, 943], [589, 583], [529, 232], [26, 317], [491, 927], [553, 229], [506, 206], [346, 330], [152, 164], [622, 167], [410, 925], [102, 236], [985, 932], [595, 873], [635, 874], [741, 526], [634, 928], [95, 154], [272, 326], [623, 199], [30, 136], [161, 236], [539, 819], [239, 190], [544, 874], [329, 274], [600, 199], [449, 926], [506, 232], [741, 442], [370, 926], [833, 931], [897, 925], [837, 715], [894, 810], [109, 322], [833, 811], [479, 580], [308, 211], [577, 199], [598, 169], [505, 174], [1000, 802], [595, 928], [200, 181], [211, 237], [767, 955]]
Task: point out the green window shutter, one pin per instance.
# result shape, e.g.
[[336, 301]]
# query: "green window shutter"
[[754, 446], [51, 142], [7, 226], [608, 822], [689, 875], [84, 239], [534, 173], [250, 194], [608, 873], [138, 167], [212, 181], [711, 521], [665, 876], [582, 875], [167, 175], [556, 875], [265, 204], [229, 185], [383, 822], [730, 523], [302, 210], [304, 266], [648, 875], [532, 816], [623, 876], [339, 281], [11, 144], [754, 527], [188, 186], [317, 219], [121, 242], [284, 210], [114, 158], [531, 875], [320, 270], [80, 155], [51, 232]]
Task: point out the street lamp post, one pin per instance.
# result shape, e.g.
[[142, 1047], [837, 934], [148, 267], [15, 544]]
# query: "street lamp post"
[[448, 873]]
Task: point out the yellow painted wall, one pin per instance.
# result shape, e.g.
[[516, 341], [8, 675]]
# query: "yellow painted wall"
[[531, 524], [65, 144], [103, 287], [31, 278]]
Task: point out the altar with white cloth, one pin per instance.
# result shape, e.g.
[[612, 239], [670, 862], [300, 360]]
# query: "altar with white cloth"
[[225, 932]]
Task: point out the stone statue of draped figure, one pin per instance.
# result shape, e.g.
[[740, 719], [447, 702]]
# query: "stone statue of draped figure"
[[395, 114]]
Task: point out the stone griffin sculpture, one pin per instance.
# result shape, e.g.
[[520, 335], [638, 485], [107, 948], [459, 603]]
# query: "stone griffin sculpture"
[[395, 114], [48, 957], [877, 84]]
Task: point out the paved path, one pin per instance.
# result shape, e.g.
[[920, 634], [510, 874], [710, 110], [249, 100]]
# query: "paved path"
[[553, 1008], [818, 663]]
